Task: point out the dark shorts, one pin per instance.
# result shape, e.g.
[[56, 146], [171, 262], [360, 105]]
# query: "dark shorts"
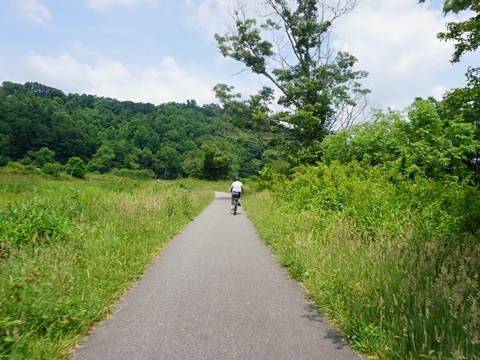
[[236, 194]]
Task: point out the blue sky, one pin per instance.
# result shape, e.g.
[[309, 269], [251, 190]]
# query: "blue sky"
[[163, 50]]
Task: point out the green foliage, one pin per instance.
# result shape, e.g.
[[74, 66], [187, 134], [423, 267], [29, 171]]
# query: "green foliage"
[[168, 163], [17, 168], [76, 167], [4, 160], [102, 160], [464, 102], [52, 169], [315, 89], [73, 248], [40, 125], [35, 223], [216, 163], [394, 263], [424, 145], [465, 33], [40, 157]]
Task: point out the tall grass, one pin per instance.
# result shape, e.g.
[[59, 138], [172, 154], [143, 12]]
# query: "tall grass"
[[69, 249], [394, 263]]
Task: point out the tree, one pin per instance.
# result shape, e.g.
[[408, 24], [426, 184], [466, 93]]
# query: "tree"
[[192, 163], [141, 137], [465, 103], [52, 169], [38, 125], [76, 167], [318, 86], [169, 164], [103, 159], [426, 144], [146, 159], [5, 147], [40, 157], [466, 34], [217, 162]]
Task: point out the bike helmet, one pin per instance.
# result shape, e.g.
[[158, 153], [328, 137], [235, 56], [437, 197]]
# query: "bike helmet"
[[236, 178]]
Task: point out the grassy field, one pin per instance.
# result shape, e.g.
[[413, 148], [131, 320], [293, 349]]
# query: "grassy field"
[[394, 264], [70, 249]]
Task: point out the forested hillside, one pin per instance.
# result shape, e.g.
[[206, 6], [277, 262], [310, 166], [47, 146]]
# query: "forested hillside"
[[41, 126]]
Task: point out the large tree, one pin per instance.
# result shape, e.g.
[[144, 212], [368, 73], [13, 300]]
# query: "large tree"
[[317, 86]]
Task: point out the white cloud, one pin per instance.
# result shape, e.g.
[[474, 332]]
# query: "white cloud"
[[438, 92], [396, 43], [102, 5], [109, 78], [207, 17], [35, 11], [394, 40]]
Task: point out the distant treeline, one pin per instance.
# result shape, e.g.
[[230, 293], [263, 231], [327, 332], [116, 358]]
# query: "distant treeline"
[[41, 125]]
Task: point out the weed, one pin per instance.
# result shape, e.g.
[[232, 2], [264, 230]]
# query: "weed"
[[394, 264], [72, 248]]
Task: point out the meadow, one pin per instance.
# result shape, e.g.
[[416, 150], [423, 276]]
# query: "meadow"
[[394, 263], [70, 248]]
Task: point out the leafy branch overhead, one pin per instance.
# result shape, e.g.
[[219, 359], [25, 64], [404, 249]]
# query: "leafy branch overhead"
[[465, 34], [292, 48]]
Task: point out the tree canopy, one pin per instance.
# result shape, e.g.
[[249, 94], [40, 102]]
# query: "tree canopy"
[[426, 143], [464, 102], [40, 125], [316, 85]]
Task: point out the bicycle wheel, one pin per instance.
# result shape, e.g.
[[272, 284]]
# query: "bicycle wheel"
[[235, 205]]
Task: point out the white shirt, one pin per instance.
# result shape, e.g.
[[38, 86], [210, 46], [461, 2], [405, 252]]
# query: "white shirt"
[[236, 186]]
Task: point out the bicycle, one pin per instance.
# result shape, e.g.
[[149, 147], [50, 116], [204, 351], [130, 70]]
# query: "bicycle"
[[236, 198]]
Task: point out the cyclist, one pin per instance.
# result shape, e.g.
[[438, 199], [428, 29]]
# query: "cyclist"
[[236, 189]]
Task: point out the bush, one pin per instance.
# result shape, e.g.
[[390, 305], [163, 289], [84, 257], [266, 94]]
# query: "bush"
[[52, 169], [76, 167], [17, 168]]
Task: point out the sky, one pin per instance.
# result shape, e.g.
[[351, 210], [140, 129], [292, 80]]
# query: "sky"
[[161, 51]]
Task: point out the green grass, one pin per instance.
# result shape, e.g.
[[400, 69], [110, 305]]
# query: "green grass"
[[393, 264], [70, 249]]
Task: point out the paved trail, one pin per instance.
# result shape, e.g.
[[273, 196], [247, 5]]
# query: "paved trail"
[[215, 292]]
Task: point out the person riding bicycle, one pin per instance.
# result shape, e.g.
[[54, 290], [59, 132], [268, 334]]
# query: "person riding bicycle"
[[236, 189]]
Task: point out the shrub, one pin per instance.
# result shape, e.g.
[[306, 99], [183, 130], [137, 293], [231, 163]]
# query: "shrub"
[[76, 167], [52, 169], [17, 168]]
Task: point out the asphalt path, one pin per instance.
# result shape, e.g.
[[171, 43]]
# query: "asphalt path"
[[215, 292]]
